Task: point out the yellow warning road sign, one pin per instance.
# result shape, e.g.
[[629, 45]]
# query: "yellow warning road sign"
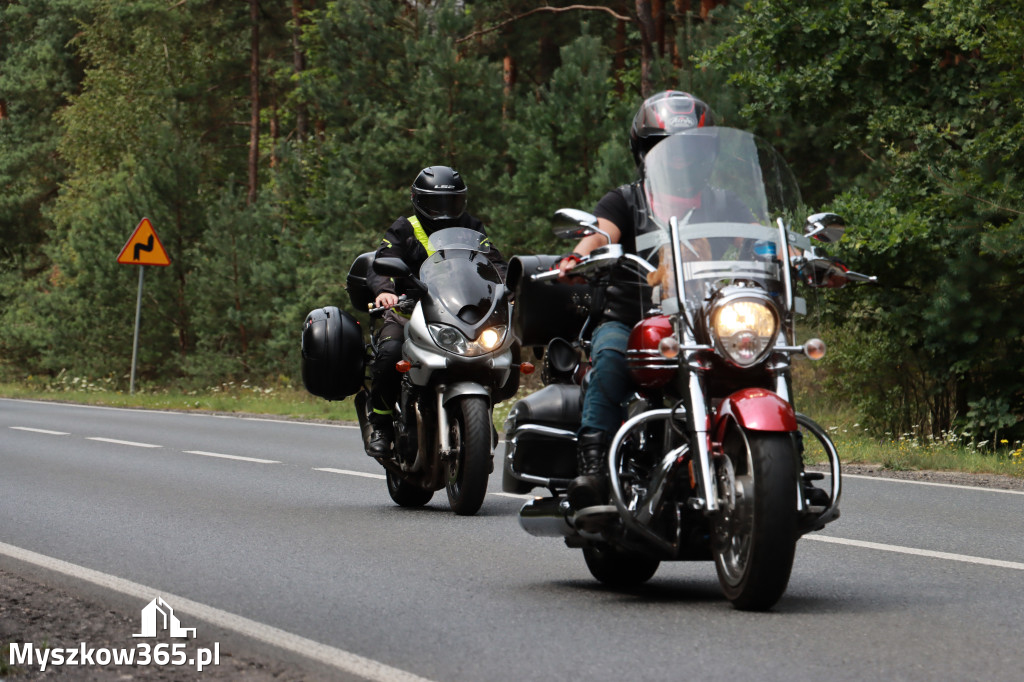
[[143, 247]]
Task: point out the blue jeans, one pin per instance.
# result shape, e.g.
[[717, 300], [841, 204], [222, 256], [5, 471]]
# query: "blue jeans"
[[610, 384]]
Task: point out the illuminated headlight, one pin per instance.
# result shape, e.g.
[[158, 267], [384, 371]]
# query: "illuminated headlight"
[[744, 329], [454, 341]]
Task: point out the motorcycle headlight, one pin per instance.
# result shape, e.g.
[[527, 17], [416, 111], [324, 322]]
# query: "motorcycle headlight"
[[744, 329], [452, 340]]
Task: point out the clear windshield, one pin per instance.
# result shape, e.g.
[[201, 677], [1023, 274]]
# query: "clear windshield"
[[458, 238], [727, 189], [460, 278]]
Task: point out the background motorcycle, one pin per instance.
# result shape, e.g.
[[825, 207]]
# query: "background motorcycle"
[[457, 362], [708, 464]]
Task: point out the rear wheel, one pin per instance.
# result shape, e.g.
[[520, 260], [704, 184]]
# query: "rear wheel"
[[470, 464], [755, 532], [406, 494], [618, 568]]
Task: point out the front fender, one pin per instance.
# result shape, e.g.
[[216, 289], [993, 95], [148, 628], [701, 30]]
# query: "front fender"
[[461, 388], [755, 409]]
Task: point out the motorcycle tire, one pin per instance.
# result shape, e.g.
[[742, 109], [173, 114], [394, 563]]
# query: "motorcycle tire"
[[406, 494], [755, 533], [619, 569], [469, 468]]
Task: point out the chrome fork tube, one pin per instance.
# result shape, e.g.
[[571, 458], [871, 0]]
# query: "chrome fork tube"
[[443, 446], [699, 415]]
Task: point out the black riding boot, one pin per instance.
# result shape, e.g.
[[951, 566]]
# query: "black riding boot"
[[590, 488], [381, 437]]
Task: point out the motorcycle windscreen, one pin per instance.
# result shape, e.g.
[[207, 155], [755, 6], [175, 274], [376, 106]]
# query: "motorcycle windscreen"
[[458, 238], [463, 283], [726, 188]]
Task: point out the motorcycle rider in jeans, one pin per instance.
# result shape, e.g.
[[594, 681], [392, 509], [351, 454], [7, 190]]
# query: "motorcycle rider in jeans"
[[439, 200], [617, 214]]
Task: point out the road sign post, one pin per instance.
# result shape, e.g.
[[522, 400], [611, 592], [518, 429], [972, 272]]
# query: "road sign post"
[[142, 248]]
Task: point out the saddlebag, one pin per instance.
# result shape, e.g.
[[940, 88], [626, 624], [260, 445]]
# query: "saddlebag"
[[536, 453], [359, 291], [544, 310], [333, 354]]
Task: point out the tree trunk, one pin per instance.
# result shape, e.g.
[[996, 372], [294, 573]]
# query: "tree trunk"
[[645, 22], [658, 17], [509, 82], [299, 64], [254, 98]]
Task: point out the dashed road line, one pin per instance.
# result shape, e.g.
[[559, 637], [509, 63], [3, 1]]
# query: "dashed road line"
[[349, 472], [237, 457], [124, 442], [46, 431]]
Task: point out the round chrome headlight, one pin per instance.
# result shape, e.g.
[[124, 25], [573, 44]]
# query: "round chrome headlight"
[[744, 328]]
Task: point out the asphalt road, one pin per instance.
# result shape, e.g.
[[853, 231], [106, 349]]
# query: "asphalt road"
[[288, 526]]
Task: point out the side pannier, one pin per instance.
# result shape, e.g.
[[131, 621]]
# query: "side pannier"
[[333, 354]]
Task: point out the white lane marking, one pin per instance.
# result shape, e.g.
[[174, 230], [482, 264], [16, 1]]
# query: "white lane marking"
[[932, 483], [238, 457], [349, 472], [366, 668], [124, 442], [52, 433], [293, 422], [963, 558]]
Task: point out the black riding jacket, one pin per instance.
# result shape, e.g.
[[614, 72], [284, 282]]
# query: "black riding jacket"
[[403, 240]]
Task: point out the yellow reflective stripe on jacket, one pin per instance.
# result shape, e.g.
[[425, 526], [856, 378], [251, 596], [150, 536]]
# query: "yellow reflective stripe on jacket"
[[421, 234]]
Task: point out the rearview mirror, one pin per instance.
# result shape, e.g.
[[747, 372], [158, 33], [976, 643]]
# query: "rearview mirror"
[[824, 273], [572, 223], [825, 227], [391, 267], [396, 267]]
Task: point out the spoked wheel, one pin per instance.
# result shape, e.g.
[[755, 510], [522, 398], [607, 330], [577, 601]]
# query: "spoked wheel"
[[470, 465], [619, 569], [405, 493], [755, 532]]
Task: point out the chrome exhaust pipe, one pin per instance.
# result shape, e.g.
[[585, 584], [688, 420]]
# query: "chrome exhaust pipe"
[[544, 518]]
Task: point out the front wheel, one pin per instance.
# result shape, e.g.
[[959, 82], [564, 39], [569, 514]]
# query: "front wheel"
[[470, 464], [620, 569], [406, 494], [755, 532]]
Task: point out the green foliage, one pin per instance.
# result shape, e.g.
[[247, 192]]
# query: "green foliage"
[[913, 111], [567, 144], [905, 117]]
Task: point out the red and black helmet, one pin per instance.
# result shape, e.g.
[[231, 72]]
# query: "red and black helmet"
[[663, 114], [439, 195]]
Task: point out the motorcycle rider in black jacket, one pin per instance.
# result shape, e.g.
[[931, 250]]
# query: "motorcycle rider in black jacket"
[[439, 200]]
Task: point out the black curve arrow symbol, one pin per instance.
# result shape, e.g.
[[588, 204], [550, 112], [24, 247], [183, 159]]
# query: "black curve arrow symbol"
[[147, 247]]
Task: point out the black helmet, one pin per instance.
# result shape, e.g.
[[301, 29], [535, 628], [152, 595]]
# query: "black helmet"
[[439, 196], [663, 114]]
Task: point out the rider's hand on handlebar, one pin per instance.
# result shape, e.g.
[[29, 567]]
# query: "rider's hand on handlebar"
[[565, 265], [386, 299]]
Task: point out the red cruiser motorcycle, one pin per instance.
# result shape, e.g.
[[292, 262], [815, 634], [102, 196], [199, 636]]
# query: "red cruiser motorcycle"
[[709, 463]]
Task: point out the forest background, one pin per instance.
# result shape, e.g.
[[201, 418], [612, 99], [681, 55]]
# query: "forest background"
[[271, 141]]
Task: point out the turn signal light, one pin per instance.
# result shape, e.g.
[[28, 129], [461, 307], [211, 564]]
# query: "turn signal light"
[[815, 349], [526, 368], [403, 366]]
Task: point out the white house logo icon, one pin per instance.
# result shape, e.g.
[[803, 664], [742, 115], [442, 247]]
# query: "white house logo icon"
[[158, 614]]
